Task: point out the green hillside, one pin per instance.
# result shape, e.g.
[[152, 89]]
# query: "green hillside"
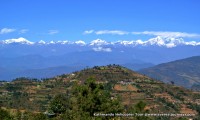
[[95, 92], [185, 72]]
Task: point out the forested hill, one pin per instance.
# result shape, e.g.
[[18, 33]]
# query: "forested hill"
[[102, 89]]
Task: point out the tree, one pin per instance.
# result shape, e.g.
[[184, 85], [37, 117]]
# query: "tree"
[[139, 108], [90, 98], [39, 116], [18, 115], [59, 104], [4, 115], [172, 82]]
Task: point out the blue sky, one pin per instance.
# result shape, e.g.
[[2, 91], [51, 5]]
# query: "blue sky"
[[111, 20]]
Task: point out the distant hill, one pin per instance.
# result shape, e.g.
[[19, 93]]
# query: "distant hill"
[[10, 74], [47, 72], [137, 66], [131, 87], [184, 72]]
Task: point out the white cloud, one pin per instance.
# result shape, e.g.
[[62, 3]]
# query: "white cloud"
[[170, 45], [99, 49], [80, 42], [51, 32], [88, 31], [168, 34], [101, 32], [22, 31], [6, 30], [113, 32], [163, 34]]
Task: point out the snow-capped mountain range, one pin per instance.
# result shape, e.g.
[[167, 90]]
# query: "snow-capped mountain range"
[[23, 58], [159, 41]]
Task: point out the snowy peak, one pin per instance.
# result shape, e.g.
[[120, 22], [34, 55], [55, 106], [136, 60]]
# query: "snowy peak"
[[130, 43], [63, 42], [156, 41], [99, 42], [41, 42], [194, 43], [18, 40], [160, 41], [168, 42]]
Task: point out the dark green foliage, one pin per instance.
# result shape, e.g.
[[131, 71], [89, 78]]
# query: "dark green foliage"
[[12, 88], [195, 107], [18, 115], [90, 98], [139, 109], [4, 115], [109, 85], [59, 104], [140, 106], [39, 116], [49, 86], [168, 105], [182, 118], [177, 96], [162, 118]]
